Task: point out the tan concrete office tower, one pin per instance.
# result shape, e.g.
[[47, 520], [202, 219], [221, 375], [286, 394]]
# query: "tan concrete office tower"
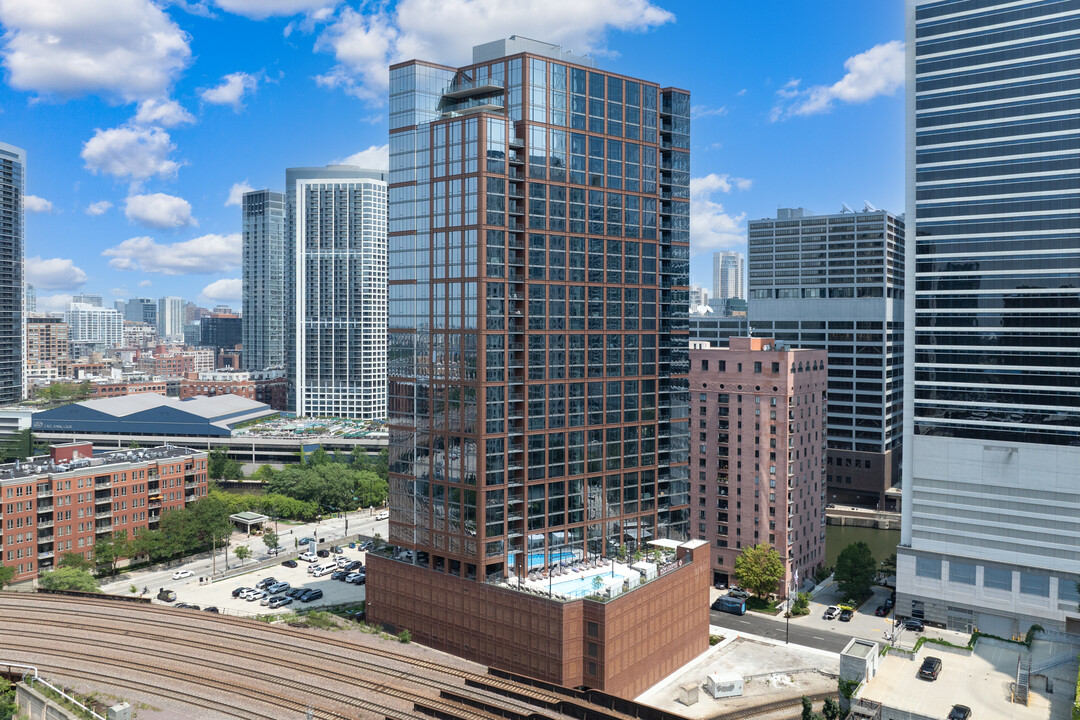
[[539, 242], [759, 454]]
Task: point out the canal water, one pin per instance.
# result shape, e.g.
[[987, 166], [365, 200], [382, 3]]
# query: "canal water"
[[837, 537]]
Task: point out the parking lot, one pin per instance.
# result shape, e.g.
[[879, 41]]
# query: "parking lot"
[[219, 594]]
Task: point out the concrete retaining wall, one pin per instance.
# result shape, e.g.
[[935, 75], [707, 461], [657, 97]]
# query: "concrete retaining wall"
[[35, 706]]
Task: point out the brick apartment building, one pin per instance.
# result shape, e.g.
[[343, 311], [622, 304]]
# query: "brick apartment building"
[[62, 502], [119, 389], [757, 453], [47, 344], [265, 386]]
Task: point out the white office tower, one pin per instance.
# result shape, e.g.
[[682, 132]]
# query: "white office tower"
[[12, 174], [264, 279], [93, 329], [729, 269], [170, 319], [990, 535], [336, 241]]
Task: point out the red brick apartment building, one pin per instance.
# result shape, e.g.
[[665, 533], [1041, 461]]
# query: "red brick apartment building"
[[265, 386], [119, 389], [757, 453], [63, 501]]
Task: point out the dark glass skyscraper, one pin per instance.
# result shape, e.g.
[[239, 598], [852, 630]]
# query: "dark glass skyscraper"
[[991, 505], [12, 174], [539, 273], [539, 240], [264, 279]]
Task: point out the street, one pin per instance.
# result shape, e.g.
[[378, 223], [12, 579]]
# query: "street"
[[833, 639], [361, 522]]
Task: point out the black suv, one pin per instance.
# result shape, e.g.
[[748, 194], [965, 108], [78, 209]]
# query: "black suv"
[[959, 712], [311, 595], [914, 624], [931, 666]]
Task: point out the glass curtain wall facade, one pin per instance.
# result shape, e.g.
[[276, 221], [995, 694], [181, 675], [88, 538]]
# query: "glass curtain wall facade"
[[264, 279], [339, 280], [539, 244], [12, 174], [729, 271], [991, 518]]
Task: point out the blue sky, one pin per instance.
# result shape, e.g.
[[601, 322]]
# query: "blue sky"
[[141, 119]]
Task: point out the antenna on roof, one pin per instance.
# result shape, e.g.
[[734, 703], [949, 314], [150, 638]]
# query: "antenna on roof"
[[845, 209], [867, 207]]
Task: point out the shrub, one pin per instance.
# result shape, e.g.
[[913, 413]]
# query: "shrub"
[[404, 636], [715, 639]]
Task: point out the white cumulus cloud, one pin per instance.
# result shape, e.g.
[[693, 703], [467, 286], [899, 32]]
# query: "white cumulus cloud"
[[236, 193], [53, 303], [878, 71], [159, 210], [261, 9], [711, 227], [163, 112], [224, 290], [145, 283], [130, 152], [364, 44], [53, 273], [231, 91], [98, 208], [35, 204], [129, 49], [199, 256], [376, 157]]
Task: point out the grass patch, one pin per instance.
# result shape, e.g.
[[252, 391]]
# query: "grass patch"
[[715, 639], [762, 606]]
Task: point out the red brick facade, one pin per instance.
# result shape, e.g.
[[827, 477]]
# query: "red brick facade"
[[622, 646], [272, 390]]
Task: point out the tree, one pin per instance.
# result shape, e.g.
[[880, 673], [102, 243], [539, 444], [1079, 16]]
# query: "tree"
[[8, 708], [808, 710], [242, 553], [75, 560], [855, 568], [110, 548], [272, 541], [759, 569], [220, 466], [68, 578], [7, 574], [264, 474], [831, 710]]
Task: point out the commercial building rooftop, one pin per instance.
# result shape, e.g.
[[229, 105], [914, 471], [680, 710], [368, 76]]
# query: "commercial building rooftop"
[[153, 414], [45, 465]]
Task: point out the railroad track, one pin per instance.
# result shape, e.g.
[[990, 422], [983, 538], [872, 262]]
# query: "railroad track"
[[177, 627], [770, 708]]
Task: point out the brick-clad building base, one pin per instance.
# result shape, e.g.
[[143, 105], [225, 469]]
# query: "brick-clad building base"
[[622, 646]]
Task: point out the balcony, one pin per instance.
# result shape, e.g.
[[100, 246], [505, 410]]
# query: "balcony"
[[103, 513], [517, 158], [45, 555], [44, 525], [461, 89], [516, 143]]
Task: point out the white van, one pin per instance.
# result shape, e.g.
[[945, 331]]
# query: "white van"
[[384, 515], [321, 570]]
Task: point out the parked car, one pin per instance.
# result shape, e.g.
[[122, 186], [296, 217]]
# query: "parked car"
[[166, 595], [257, 595], [881, 611], [266, 600], [738, 592], [351, 577], [186, 606], [339, 574], [308, 557], [890, 602], [846, 615], [307, 540], [289, 563], [296, 592], [959, 712], [384, 515], [716, 604], [358, 579], [265, 583], [211, 609], [181, 574], [343, 560], [237, 592], [831, 612], [278, 588], [914, 624], [366, 545], [336, 549], [322, 553], [353, 566], [930, 669], [310, 595], [279, 601]]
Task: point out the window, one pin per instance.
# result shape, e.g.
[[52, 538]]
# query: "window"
[[961, 573], [757, 367], [1038, 585], [997, 578], [1067, 590], [705, 365], [928, 567]]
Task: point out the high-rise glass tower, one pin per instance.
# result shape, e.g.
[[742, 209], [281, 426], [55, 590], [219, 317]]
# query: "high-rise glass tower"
[[336, 286], [539, 237], [729, 269], [264, 279], [991, 494], [170, 319], [12, 175]]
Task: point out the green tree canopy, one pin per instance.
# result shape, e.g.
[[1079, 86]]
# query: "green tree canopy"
[[759, 569], [219, 466], [75, 560], [271, 540], [242, 553], [7, 574], [854, 571], [68, 578]]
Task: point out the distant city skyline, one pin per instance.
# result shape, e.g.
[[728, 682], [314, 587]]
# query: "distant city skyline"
[[137, 167]]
